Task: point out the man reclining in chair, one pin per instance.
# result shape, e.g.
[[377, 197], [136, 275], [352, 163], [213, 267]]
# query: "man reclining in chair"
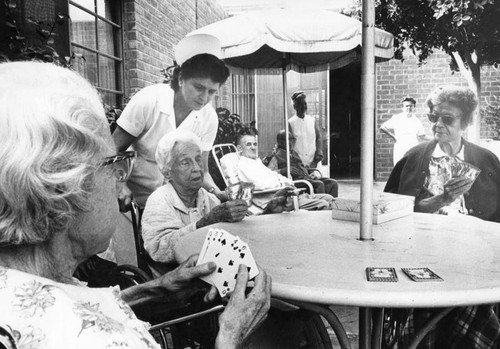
[[247, 167]]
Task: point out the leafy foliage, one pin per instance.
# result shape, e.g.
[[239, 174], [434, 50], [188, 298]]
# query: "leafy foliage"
[[41, 47], [469, 27], [112, 114]]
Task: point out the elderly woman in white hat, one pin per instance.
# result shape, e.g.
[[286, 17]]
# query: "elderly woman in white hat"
[[58, 191], [181, 205], [159, 109]]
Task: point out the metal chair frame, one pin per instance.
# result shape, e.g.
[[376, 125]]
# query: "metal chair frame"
[[219, 150]]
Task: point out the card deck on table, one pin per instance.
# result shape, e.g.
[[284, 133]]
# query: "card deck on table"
[[421, 274], [381, 274], [228, 252]]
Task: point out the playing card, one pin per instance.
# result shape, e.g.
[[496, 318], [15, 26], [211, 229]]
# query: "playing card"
[[421, 274], [459, 169], [246, 192], [381, 274], [212, 235], [233, 191], [244, 256], [228, 252]]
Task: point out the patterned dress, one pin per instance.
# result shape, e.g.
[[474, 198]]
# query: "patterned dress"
[[41, 313]]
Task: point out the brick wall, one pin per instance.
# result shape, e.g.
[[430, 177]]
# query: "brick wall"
[[396, 79], [151, 30]]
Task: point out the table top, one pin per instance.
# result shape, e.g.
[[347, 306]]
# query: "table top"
[[313, 258]]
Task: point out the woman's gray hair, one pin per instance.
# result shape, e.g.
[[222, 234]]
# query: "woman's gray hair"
[[164, 150], [52, 137], [461, 97]]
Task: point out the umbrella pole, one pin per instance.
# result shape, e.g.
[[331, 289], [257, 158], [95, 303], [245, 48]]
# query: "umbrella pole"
[[285, 113], [367, 116]]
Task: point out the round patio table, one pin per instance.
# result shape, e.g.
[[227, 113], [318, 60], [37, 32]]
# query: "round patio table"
[[315, 259]]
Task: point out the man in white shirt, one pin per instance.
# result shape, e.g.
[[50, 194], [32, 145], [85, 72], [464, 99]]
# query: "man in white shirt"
[[251, 169], [405, 128], [306, 132]]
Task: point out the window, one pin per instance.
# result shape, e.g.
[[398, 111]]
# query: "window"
[[96, 35], [243, 95]]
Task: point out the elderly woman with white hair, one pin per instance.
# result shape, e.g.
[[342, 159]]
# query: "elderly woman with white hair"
[[58, 207], [181, 205]]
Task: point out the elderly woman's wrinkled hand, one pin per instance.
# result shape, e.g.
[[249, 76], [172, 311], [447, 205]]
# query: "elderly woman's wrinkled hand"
[[184, 280], [244, 312], [456, 187], [229, 211]]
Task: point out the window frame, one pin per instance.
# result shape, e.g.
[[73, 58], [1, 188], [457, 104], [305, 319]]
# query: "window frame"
[[117, 10]]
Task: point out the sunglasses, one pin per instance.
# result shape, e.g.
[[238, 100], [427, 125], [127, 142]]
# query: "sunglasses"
[[122, 163], [447, 119]]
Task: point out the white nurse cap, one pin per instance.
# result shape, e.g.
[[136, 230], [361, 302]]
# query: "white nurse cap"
[[196, 44]]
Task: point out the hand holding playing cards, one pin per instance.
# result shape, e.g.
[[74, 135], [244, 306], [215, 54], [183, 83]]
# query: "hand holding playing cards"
[[455, 187], [177, 285], [229, 211], [244, 313], [183, 281]]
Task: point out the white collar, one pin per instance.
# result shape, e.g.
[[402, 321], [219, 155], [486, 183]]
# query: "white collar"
[[439, 153]]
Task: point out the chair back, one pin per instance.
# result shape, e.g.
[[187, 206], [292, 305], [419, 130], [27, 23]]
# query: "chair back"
[[142, 255], [220, 151]]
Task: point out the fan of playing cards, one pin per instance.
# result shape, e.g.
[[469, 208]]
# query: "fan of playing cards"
[[464, 169], [228, 252], [446, 170], [241, 190]]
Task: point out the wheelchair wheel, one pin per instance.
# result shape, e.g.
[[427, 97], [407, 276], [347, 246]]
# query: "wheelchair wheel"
[[315, 332]]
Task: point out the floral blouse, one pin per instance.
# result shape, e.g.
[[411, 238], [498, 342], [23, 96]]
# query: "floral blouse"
[[41, 313], [439, 174]]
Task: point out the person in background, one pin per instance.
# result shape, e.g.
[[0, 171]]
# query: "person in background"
[[249, 168], [405, 128], [297, 168], [424, 173], [306, 131], [58, 206], [181, 206], [159, 109]]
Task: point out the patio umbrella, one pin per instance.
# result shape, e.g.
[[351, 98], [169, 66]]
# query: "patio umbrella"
[[302, 40]]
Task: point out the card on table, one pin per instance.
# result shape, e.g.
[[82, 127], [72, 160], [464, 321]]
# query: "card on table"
[[381, 274], [421, 274], [228, 252]]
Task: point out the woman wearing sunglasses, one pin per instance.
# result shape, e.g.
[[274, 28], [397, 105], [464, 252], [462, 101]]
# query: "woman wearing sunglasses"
[[424, 172], [450, 111]]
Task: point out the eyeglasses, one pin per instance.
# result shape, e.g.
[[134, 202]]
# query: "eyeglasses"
[[122, 163], [447, 119]]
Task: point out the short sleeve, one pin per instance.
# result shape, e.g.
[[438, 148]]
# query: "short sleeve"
[[421, 130], [389, 123], [210, 130], [134, 118]]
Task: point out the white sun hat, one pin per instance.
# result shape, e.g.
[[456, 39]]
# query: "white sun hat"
[[196, 44]]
